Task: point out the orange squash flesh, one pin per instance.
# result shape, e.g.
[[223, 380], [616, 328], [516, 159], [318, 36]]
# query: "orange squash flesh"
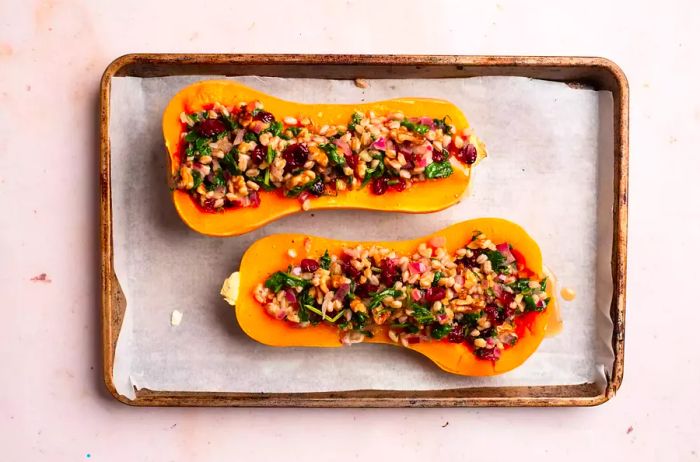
[[427, 196], [270, 254]]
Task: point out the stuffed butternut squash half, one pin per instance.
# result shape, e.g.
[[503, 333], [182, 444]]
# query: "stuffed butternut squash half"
[[239, 158], [472, 297]]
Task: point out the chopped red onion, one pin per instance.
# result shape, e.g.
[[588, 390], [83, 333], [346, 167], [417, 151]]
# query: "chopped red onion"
[[239, 137], [380, 144], [504, 248]]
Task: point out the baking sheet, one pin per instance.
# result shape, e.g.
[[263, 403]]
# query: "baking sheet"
[[549, 170]]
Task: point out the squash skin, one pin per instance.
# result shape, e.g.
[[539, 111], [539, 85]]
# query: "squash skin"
[[423, 197], [269, 254]]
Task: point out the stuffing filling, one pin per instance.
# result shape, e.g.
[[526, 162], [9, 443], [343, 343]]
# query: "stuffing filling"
[[481, 295], [229, 154]]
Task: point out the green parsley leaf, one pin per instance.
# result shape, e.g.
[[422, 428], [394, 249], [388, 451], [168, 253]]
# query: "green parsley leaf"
[[197, 178], [279, 280], [498, 261], [325, 261], [422, 315], [377, 298], [470, 320], [250, 136], [440, 331], [438, 170], [442, 124], [275, 128], [356, 119], [437, 277], [418, 128], [332, 151]]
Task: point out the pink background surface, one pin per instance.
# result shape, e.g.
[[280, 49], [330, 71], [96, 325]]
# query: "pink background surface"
[[53, 405]]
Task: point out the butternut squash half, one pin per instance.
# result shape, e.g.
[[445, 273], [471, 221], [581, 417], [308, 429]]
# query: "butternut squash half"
[[272, 253], [422, 197]]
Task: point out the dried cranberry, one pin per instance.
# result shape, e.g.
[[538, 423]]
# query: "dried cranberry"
[[258, 154], [295, 155], [467, 154], [490, 354], [351, 160], [210, 127], [506, 298], [363, 290], [390, 271], [208, 205], [309, 265], [495, 315], [254, 199], [433, 294], [456, 335], [401, 185], [348, 269], [439, 156], [379, 186], [317, 188], [470, 262], [264, 116]]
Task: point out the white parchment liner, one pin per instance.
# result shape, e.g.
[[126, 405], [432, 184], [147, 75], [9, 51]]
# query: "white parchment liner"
[[549, 169]]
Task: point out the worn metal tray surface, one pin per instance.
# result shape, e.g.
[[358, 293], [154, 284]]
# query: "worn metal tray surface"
[[594, 73]]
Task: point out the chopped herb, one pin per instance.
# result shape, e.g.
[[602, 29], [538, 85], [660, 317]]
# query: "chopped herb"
[[325, 261], [191, 137], [270, 155], [367, 333], [437, 277], [438, 170], [279, 280], [230, 122], [543, 286], [530, 304], [196, 178], [230, 163], [264, 181], [197, 145], [332, 151], [275, 128], [356, 119], [255, 111], [498, 261], [219, 178], [359, 319], [422, 315], [470, 320], [412, 329], [440, 331], [418, 128], [521, 286], [250, 136], [442, 124], [379, 296], [375, 172], [304, 298], [325, 317], [294, 130]]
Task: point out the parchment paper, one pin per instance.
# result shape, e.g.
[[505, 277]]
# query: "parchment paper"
[[549, 169]]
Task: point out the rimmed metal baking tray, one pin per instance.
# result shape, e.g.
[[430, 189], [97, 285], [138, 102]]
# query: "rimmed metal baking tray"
[[597, 73]]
